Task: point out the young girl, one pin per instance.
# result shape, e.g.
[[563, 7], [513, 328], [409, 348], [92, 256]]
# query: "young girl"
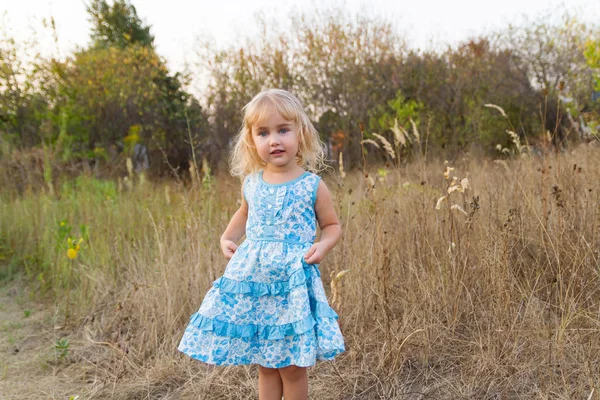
[[269, 307]]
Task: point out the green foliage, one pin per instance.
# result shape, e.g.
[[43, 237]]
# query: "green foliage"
[[117, 25], [592, 56], [349, 71], [330, 60], [89, 188], [61, 348], [383, 117], [62, 233], [21, 105], [131, 139], [106, 95], [550, 49], [83, 107]]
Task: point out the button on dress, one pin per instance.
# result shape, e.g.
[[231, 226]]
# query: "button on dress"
[[269, 307]]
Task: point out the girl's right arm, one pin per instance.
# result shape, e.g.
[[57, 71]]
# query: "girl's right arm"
[[235, 230]]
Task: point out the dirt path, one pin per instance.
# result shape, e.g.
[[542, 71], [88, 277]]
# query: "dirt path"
[[30, 366]]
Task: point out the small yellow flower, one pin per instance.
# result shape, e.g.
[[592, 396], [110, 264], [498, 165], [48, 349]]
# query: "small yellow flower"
[[71, 253]]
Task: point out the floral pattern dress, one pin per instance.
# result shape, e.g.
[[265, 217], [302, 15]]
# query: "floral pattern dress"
[[269, 307]]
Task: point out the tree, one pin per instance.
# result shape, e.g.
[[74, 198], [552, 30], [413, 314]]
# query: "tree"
[[339, 68], [592, 56], [120, 89], [21, 106], [552, 53], [117, 25]]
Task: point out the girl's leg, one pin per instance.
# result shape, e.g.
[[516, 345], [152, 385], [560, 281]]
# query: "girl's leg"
[[295, 382], [270, 386]]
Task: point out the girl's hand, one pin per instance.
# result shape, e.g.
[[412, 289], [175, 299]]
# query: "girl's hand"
[[228, 248], [315, 254]]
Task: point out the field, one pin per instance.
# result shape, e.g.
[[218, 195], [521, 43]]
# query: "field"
[[492, 292]]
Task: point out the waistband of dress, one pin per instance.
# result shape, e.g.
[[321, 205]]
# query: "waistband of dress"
[[279, 240]]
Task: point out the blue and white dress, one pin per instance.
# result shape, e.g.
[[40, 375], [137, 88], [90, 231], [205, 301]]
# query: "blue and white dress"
[[269, 307]]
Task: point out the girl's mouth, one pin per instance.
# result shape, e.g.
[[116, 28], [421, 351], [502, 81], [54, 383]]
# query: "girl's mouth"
[[277, 151]]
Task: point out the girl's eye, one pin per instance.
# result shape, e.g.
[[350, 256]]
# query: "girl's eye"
[[284, 130], [262, 133]]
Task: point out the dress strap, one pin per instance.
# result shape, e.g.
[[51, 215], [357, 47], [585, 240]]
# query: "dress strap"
[[249, 179]]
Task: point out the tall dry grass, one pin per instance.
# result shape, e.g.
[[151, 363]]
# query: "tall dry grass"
[[494, 295]]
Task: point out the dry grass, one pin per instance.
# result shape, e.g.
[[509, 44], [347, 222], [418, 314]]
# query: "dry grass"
[[501, 301]]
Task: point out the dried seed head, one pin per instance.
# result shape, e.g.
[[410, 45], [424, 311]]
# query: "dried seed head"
[[459, 208], [415, 131], [399, 134], [386, 145], [438, 205], [447, 172], [497, 108], [370, 141], [455, 188], [464, 183], [341, 165]]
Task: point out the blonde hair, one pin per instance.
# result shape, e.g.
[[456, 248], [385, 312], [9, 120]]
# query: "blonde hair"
[[244, 158]]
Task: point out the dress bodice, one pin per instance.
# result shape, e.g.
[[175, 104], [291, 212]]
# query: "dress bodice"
[[281, 212]]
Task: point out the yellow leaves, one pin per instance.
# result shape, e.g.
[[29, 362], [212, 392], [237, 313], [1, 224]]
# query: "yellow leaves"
[[131, 139]]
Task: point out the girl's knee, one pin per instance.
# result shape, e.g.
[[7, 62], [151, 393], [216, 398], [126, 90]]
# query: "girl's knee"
[[292, 372], [267, 371]]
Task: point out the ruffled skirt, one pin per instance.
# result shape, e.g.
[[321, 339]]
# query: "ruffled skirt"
[[268, 308]]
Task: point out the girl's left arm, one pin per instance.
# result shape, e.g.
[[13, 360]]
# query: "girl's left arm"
[[331, 231]]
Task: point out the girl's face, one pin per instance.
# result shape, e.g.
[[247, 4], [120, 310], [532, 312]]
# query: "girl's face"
[[276, 140]]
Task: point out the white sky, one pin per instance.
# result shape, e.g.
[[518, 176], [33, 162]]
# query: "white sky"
[[176, 24]]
